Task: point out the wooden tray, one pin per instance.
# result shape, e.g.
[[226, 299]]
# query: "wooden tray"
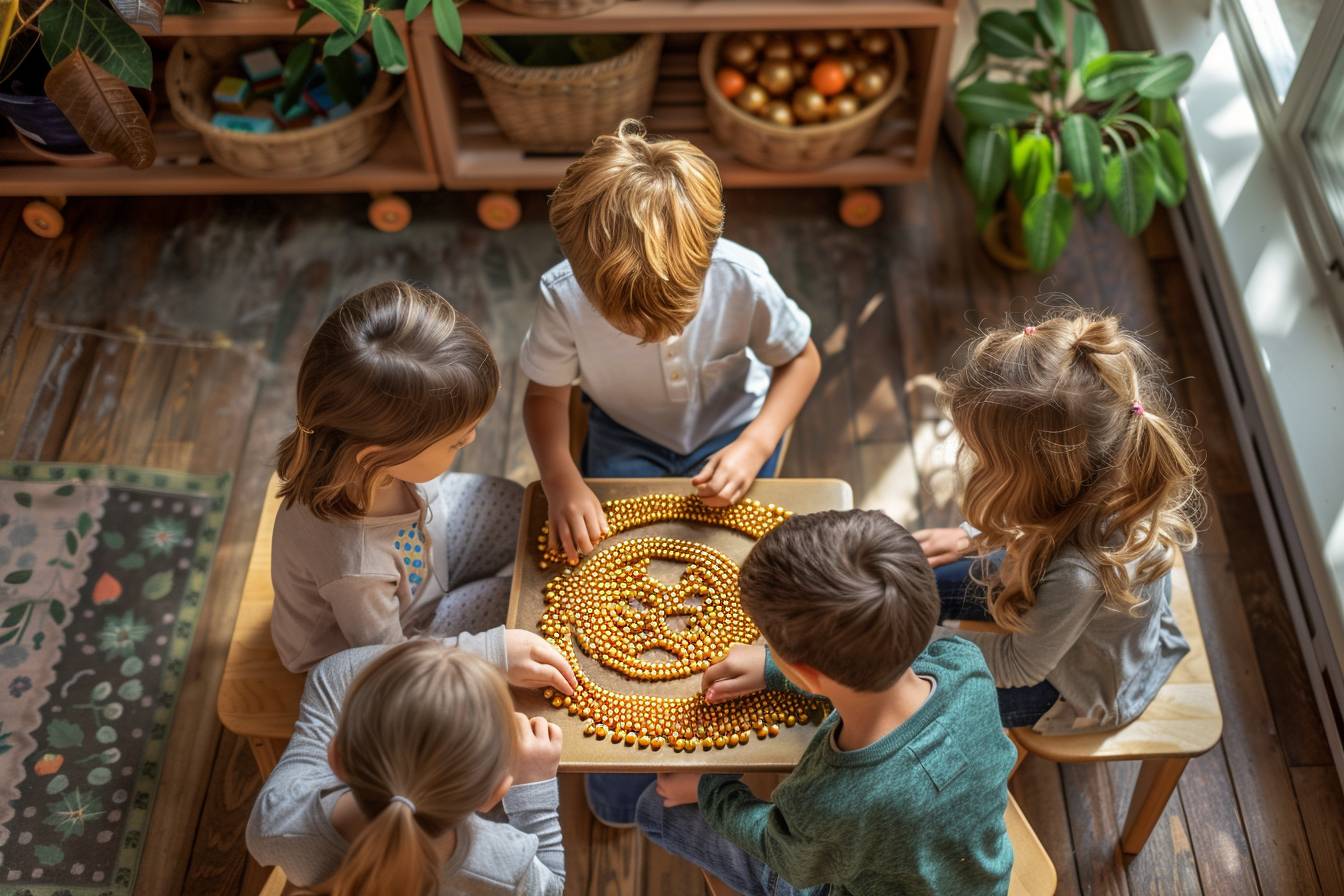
[[525, 607]]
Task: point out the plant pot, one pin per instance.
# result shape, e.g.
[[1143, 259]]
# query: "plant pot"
[[40, 122], [1002, 235], [85, 157]]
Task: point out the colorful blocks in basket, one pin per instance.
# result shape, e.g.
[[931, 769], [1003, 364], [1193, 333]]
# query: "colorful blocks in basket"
[[340, 110], [363, 62], [264, 70], [319, 98], [298, 115], [232, 94], [251, 124]]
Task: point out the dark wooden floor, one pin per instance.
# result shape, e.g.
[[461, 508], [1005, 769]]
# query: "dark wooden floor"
[[198, 310]]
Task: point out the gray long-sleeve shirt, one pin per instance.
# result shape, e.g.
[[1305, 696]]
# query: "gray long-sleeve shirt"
[[291, 819], [1106, 662]]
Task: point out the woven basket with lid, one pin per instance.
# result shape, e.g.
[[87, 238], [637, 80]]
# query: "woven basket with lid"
[[194, 66], [801, 147], [563, 108]]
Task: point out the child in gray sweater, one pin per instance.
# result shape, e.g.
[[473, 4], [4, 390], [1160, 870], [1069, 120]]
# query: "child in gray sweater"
[[396, 750]]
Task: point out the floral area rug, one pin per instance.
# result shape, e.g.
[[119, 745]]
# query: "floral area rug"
[[102, 572]]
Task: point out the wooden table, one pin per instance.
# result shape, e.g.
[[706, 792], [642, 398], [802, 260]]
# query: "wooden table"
[[525, 607]]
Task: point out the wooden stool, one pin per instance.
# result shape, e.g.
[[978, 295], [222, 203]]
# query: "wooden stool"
[[1183, 721], [1033, 873]]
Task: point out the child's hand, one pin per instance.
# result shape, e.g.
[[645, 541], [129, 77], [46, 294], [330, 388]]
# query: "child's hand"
[[730, 471], [740, 672], [943, 545], [678, 788], [577, 519], [533, 663], [538, 755]]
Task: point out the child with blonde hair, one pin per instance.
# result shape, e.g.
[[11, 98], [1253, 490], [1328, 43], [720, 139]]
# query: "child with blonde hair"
[[1080, 487], [395, 752], [374, 539]]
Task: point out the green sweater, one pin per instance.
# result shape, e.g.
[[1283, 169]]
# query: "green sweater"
[[918, 812]]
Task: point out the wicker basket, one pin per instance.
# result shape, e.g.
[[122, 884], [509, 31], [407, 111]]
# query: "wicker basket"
[[563, 108], [801, 147], [553, 9], [194, 67]]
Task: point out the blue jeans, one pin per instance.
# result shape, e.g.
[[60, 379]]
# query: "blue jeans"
[[964, 598], [612, 451], [682, 831]]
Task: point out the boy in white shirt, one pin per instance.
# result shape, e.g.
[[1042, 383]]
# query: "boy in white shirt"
[[692, 359]]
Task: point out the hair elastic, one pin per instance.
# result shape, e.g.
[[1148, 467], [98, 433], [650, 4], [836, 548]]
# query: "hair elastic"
[[306, 430], [1136, 409], [1027, 331], [404, 800]]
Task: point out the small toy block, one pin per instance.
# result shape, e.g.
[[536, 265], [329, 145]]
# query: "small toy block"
[[340, 110], [298, 115], [262, 65], [251, 124], [319, 98], [232, 94]]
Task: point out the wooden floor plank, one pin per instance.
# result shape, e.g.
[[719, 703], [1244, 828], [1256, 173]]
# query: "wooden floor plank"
[[1093, 815], [1216, 831], [1318, 795], [1166, 866]]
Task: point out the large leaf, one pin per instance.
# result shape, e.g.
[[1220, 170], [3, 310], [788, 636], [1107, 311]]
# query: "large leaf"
[[1081, 140], [1083, 4], [298, 64], [1050, 18], [343, 79], [182, 8], [146, 13], [100, 34], [102, 109], [1089, 39], [340, 41], [1130, 190], [975, 61], [990, 103], [448, 23], [1033, 166], [1115, 74], [987, 163], [1170, 174], [1162, 114], [387, 46], [346, 12], [414, 8], [1007, 34], [1166, 76], [1046, 223]]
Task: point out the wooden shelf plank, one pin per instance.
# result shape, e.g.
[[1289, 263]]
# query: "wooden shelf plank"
[[235, 19], [717, 15]]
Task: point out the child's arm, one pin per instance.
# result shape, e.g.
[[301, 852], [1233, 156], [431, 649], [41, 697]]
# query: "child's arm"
[[576, 516], [731, 471], [533, 803]]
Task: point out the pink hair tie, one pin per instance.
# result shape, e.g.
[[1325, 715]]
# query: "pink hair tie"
[[1137, 408], [1027, 331]]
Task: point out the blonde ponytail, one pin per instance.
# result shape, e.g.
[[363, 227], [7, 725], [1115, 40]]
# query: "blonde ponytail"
[[392, 855]]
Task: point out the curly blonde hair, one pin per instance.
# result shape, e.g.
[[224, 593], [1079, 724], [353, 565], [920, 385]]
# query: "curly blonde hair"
[[1070, 435]]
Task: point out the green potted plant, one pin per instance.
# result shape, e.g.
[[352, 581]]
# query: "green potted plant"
[[67, 69], [355, 21], [1053, 116]]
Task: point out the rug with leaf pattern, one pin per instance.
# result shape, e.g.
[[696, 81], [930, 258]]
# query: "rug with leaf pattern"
[[102, 573]]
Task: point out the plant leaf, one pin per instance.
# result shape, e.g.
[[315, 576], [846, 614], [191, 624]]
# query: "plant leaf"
[[387, 46], [1165, 76], [1170, 173], [1050, 18], [975, 61], [987, 164], [347, 13], [1113, 74], [414, 8], [62, 734], [145, 13], [1080, 138], [448, 22], [989, 103], [97, 31], [23, 499], [298, 64], [102, 109], [1087, 5], [1006, 34], [1162, 114], [305, 16], [182, 8], [1046, 223], [18, 577], [1089, 39], [343, 79], [1033, 166], [14, 615], [1130, 190]]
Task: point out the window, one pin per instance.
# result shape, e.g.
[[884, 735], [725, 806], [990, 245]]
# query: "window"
[[1280, 29]]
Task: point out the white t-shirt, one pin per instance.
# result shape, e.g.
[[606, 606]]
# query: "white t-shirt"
[[681, 392]]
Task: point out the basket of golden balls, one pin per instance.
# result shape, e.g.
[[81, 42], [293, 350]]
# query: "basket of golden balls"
[[797, 101]]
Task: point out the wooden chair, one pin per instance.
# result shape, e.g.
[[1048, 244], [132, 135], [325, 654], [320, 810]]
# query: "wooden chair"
[[1033, 872], [1183, 721]]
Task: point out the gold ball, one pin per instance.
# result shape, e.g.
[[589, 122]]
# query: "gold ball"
[[777, 112], [808, 105], [775, 76], [738, 52], [842, 105], [752, 98]]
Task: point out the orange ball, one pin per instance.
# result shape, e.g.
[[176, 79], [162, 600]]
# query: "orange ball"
[[828, 78], [730, 81]]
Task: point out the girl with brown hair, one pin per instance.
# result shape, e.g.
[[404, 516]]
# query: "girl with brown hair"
[[1080, 486], [395, 752], [375, 540]]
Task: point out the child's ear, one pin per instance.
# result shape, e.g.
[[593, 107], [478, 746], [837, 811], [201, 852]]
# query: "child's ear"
[[334, 760], [812, 681], [504, 784]]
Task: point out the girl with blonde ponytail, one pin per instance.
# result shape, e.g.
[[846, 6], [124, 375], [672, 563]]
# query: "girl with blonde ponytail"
[[1079, 487], [395, 752], [375, 540]]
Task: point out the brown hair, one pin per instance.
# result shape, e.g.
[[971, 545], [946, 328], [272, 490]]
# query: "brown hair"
[[638, 221], [849, 593], [394, 366], [431, 724], [1070, 435]]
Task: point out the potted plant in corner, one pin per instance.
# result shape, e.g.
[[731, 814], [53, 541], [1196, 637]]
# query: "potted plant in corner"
[[1054, 116]]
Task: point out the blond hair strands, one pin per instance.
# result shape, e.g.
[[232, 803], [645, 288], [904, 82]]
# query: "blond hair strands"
[[1070, 435], [638, 220], [394, 366], [425, 737]]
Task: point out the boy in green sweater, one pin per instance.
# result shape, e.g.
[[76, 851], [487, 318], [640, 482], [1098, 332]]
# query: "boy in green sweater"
[[903, 789]]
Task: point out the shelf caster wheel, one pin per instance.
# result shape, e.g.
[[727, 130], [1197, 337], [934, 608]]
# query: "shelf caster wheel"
[[860, 207], [389, 213], [499, 210], [44, 218]]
